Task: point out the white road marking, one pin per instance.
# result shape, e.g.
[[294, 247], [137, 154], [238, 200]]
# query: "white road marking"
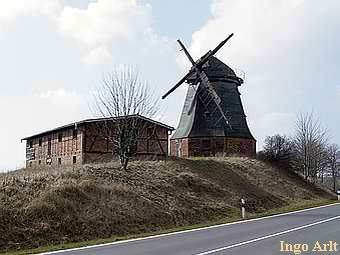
[[268, 236], [185, 231]]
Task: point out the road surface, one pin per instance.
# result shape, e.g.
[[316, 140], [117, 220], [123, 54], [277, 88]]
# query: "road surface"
[[253, 237]]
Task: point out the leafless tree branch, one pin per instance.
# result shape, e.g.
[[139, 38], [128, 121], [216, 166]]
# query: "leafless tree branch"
[[121, 98]]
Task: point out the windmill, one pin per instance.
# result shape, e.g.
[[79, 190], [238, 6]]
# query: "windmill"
[[206, 92], [213, 120]]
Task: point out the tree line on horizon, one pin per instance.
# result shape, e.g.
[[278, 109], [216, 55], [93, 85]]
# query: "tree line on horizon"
[[309, 152]]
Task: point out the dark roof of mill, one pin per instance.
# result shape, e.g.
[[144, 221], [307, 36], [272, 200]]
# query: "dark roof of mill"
[[216, 70], [195, 122], [97, 120]]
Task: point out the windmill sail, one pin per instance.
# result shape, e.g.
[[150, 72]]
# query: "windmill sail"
[[213, 120], [209, 96], [223, 115]]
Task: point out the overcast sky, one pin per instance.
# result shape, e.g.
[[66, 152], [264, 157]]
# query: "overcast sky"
[[53, 53]]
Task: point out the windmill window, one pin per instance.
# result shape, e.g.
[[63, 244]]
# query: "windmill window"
[[220, 145], [206, 144], [207, 115]]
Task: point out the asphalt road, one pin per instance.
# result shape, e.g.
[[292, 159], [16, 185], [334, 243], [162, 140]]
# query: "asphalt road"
[[253, 237]]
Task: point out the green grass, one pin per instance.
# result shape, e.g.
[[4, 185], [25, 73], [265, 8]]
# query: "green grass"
[[234, 218]]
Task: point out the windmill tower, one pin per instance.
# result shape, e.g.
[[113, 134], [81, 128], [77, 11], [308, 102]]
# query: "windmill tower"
[[213, 121]]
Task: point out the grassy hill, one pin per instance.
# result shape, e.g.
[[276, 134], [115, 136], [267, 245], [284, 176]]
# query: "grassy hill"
[[52, 206]]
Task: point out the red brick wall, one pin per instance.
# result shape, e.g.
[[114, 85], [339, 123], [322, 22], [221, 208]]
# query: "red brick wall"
[[179, 147], [212, 146], [241, 146]]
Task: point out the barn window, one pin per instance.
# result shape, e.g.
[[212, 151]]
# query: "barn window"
[[59, 161], [40, 142], [74, 160], [60, 137], [48, 161], [49, 146], [75, 134]]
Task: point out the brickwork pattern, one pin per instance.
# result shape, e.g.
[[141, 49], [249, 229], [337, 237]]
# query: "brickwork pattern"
[[212, 146]]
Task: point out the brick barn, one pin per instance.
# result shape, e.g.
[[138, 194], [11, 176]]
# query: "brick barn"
[[83, 142]]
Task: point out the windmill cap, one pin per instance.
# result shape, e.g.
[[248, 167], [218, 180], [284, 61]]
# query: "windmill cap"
[[216, 69]]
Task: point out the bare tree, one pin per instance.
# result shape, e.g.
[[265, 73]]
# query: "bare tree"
[[321, 162], [277, 148], [121, 99], [333, 151], [310, 142]]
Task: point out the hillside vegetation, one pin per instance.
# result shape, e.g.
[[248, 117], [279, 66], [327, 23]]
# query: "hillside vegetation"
[[52, 206]]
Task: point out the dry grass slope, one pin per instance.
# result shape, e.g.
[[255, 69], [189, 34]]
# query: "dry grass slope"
[[52, 206]]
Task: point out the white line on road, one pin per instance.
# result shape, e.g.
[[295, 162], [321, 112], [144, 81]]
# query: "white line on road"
[[186, 231], [268, 236]]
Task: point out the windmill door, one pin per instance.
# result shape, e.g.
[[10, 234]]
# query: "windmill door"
[[179, 149]]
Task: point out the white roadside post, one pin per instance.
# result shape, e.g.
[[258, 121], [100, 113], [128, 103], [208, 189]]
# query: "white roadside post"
[[243, 210], [338, 193]]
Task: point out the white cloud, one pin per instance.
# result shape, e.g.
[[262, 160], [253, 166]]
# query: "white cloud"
[[99, 55], [259, 26], [101, 29], [9, 10], [97, 29], [275, 43], [60, 97], [28, 115], [102, 23]]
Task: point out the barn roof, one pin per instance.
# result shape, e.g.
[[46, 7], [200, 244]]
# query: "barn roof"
[[79, 123]]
